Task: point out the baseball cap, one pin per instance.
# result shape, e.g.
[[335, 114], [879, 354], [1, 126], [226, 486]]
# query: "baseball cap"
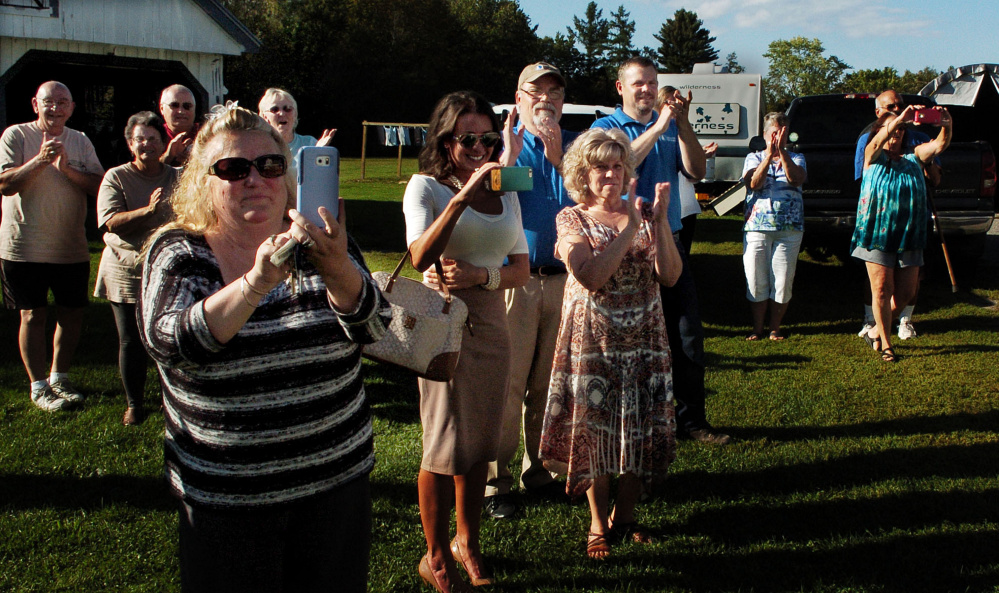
[[536, 71]]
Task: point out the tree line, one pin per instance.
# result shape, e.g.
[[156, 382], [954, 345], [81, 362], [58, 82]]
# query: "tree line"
[[346, 61]]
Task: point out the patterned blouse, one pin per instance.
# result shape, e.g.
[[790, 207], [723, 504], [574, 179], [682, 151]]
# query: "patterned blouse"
[[891, 213], [778, 206]]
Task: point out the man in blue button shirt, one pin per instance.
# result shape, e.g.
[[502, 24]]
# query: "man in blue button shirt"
[[533, 310], [664, 143]]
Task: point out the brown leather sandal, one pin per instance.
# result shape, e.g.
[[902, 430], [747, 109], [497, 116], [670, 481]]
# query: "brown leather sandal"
[[597, 545]]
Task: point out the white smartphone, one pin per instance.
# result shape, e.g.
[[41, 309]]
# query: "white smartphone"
[[318, 182]]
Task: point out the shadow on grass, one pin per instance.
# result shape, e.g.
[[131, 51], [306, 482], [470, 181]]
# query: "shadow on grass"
[[850, 471], [25, 492], [945, 424]]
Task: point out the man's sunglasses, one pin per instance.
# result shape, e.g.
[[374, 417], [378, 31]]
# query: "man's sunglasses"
[[489, 139], [236, 168], [176, 105]]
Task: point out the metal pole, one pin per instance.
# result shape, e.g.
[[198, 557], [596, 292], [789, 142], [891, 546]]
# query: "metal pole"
[[364, 144]]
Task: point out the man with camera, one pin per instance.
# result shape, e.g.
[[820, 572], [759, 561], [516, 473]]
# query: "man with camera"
[[892, 103], [46, 172], [664, 145], [533, 310]]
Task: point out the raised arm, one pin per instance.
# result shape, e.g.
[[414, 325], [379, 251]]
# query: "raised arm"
[[425, 250], [927, 151], [669, 264]]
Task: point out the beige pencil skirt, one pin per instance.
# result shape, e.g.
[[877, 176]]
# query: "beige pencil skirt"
[[462, 417]]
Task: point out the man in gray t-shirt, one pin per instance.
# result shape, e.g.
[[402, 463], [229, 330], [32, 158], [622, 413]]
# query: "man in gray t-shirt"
[[46, 172]]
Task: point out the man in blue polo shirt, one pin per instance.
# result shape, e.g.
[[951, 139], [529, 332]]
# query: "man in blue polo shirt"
[[891, 102], [533, 310], [664, 143]]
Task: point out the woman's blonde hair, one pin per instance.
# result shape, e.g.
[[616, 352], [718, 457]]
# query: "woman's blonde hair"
[[594, 147], [191, 200]]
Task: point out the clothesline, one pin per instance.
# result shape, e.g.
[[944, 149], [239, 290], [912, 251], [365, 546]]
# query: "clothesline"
[[387, 127]]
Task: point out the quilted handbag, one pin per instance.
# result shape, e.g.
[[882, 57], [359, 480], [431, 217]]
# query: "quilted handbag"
[[425, 333]]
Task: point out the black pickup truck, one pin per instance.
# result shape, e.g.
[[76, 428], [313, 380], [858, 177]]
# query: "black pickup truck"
[[825, 129]]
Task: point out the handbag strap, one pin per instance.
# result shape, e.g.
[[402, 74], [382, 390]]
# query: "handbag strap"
[[440, 275]]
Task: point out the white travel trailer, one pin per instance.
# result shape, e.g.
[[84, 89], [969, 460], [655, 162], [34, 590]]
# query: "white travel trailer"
[[727, 109]]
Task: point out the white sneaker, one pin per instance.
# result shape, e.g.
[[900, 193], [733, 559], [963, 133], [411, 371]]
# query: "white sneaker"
[[905, 329], [866, 329], [67, 391], [47, 400]]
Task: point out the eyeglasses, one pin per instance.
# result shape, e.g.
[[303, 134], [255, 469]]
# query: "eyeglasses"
[[894, 106], [49, 103], [552, 94], [280, 108], [177, 105], [489, 139], [236, 168]]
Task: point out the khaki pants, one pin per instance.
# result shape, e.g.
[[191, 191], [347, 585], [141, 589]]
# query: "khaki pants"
[[533, 312]]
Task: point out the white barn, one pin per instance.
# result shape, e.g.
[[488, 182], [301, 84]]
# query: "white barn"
[[115, 56]]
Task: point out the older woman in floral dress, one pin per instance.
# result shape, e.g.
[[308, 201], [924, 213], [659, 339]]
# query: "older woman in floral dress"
[[610, 403]]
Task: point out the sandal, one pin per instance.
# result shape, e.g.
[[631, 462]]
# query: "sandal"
[[874, 343], [597, 545], [776, 336], [634, 532], [888, 355], [754, 337]]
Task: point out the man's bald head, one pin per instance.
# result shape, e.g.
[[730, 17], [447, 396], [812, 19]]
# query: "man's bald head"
[[888, 102], [54, 105], [177, 106]]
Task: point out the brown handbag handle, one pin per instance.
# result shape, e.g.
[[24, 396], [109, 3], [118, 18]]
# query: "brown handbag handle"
[[440, 274]]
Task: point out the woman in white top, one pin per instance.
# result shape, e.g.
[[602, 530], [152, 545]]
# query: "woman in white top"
[[451, 215]]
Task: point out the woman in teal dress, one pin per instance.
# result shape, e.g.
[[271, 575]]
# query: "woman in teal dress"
[[892, 218]]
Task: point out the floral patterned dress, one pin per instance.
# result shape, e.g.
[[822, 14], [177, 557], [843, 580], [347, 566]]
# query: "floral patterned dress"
[[610, 400]]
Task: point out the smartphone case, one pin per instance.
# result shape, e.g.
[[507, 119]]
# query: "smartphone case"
[[318, 181]]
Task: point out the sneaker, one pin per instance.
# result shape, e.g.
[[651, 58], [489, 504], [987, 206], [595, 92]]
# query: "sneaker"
[[868, 326], [709, 435], [47, 400], [500, 506], [67, 391], [905, 329]]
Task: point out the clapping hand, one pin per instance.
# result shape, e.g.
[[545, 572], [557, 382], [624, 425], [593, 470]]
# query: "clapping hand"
[[513, 142]]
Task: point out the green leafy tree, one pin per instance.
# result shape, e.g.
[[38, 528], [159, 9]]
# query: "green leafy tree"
[[734, 67], [591, 33], [620, 46], [684, 42], [797, 68], [876, 81]]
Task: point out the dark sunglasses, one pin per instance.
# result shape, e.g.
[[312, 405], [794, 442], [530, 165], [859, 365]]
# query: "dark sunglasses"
[[894, 106], [176, 105], [236, 168], [489, 139]]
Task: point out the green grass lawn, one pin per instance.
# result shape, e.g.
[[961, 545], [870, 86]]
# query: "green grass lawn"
[[848, 474]]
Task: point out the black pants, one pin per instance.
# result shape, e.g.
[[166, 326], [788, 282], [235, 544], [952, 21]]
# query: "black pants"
[[132, 358], [686, 343], [318, 544]]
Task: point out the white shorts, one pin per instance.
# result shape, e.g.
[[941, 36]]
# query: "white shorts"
[[770, 258]]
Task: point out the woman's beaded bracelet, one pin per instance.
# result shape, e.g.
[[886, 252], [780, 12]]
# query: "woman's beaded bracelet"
[[494, 279]]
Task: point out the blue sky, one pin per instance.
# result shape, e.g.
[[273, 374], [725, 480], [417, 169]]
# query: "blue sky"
[[863, 33]]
